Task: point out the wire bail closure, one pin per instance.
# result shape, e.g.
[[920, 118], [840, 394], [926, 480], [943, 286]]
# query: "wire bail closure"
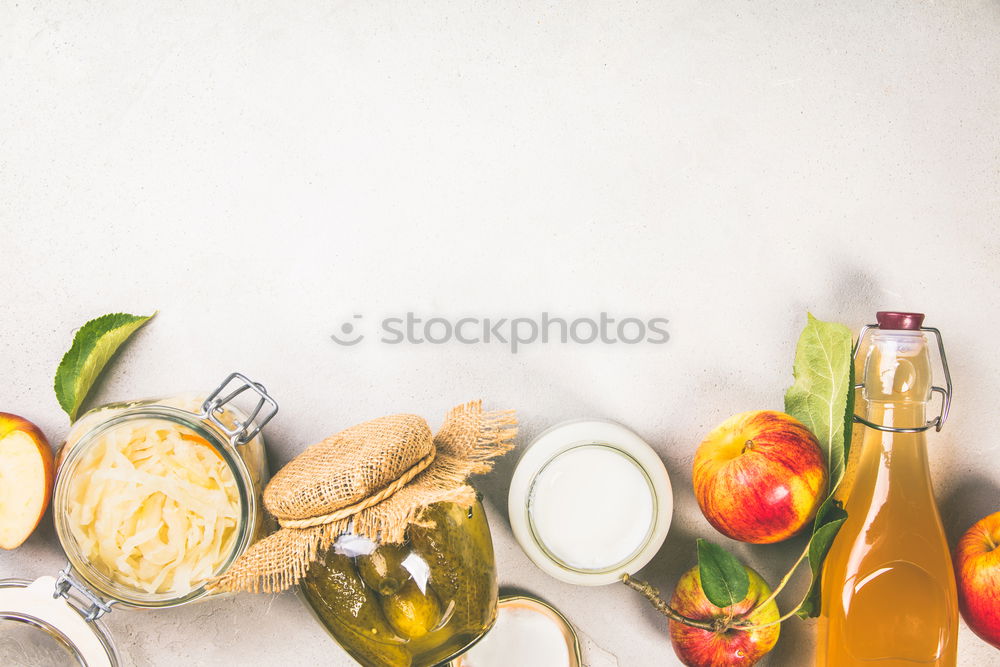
[[96, 606], [241, 432], [946, 391]]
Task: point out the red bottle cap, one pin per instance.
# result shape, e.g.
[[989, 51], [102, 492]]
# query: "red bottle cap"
[[888, 319]]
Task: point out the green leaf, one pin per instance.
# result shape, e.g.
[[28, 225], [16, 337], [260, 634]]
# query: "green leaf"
[[829, 519], [819, 397], [723, 578], [848, 418], [822, 398], [93, 346]]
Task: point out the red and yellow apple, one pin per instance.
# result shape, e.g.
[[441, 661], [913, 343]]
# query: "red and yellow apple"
[[732, 647], [977, 569], [25, 479], [759, 476]]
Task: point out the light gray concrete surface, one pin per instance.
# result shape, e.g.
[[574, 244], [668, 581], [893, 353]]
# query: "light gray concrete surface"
[[260, 172]]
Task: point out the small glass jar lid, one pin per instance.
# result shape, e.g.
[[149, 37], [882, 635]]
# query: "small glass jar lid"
[[39, 628], [590, 501], [528, 632]]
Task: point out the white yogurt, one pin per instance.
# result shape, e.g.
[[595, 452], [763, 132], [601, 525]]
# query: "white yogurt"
[[590, 501], [592, 507]]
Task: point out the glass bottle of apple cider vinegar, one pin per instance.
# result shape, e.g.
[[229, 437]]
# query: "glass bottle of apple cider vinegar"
[[888, 586]]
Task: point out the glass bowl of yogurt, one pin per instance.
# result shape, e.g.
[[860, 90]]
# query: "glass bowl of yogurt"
[[590, 501]]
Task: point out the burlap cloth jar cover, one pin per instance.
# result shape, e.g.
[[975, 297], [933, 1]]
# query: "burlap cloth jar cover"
[[374, 480]]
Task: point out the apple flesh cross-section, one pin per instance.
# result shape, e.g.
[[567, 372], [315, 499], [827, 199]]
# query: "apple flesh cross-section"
[[25, 479]]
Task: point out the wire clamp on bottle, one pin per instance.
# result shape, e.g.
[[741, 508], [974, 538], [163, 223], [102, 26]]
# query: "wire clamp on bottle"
[[946, 391]]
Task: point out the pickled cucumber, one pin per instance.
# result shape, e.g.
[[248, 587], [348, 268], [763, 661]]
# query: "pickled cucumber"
[[383, 570], [352, 613], [459, 551], [384, 622], [410, 612]]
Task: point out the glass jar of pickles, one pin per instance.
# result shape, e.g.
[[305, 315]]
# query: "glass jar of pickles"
[[386, 537], [418, 603]]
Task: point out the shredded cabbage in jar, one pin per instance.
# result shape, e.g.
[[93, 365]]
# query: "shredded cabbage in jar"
[[154, 507]]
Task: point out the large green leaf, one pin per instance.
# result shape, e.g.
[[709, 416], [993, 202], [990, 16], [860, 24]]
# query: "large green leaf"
[[819, 396], [723, 578], [829, 519], [93, 346], [822, 398]]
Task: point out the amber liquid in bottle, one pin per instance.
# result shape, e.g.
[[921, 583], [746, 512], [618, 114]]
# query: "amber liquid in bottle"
[[888, 589]]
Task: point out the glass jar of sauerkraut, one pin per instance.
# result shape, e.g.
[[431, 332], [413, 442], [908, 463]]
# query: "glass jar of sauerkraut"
[[153, 499]]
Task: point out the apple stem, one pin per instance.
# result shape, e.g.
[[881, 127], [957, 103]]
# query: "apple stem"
[[751, 626], [653, 595], [784, 580]]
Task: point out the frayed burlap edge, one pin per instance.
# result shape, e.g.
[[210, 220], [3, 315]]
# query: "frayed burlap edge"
[[468, 442]]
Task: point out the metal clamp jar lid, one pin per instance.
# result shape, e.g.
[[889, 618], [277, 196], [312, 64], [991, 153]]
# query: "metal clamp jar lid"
[[67, 608]]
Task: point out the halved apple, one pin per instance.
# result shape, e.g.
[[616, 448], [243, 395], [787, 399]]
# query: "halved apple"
[[25, 479]]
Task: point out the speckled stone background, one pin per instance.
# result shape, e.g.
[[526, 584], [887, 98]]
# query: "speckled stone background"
[[260, 172]]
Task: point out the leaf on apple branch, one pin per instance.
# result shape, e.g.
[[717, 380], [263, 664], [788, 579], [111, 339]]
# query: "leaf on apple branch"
[[724, 580], [822, 398], [829, 519], [823, 389]]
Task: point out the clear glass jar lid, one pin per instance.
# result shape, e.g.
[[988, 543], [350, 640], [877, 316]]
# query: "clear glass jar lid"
[[528, 632], [41, 629]]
